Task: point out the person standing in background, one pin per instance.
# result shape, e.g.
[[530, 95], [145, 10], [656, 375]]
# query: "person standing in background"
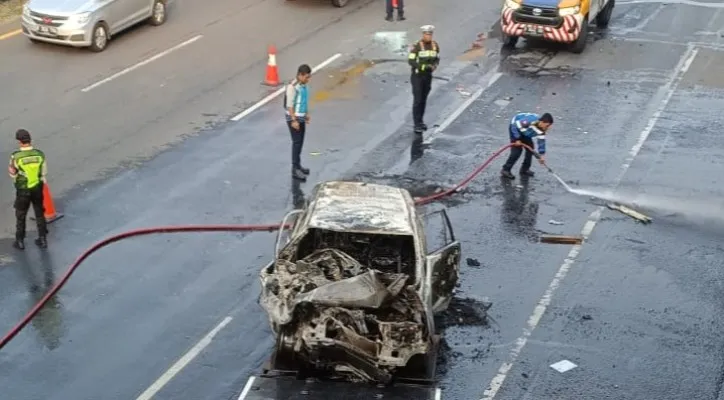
[[395, 4], [296, 102], [424, 58]]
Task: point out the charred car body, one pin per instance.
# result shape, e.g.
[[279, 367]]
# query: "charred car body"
[[352, 291]]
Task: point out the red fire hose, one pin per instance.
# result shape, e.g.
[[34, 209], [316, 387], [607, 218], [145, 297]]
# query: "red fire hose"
[[205, 228]]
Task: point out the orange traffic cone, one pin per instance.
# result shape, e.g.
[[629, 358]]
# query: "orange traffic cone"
[[272, 72], [51, 214]]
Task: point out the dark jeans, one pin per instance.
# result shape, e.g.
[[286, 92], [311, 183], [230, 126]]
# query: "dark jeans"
[[515, 153], [23, 200], [297, 142], [421, 85], [400, 7]]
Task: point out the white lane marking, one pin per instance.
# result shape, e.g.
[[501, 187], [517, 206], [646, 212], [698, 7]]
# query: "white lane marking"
[[247, 388], [494, 76], [497, 383], [141, 64], [183, 362], [279, 91]]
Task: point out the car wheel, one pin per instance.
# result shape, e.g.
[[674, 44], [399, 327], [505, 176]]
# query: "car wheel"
[[580, 44], [339, 3], [158, 15], [604, 17], [99, 39]]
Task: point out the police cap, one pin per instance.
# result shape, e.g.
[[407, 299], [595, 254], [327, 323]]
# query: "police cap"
[[23, 136], [427, 28]]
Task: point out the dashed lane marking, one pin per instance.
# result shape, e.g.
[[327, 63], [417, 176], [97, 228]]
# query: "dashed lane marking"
[[669, 88], [141, 64], [183, 362]]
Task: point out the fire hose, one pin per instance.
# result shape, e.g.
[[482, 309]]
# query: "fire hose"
[[213, 228]]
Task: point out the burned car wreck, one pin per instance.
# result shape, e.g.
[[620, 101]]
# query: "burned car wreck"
[[352, 291]]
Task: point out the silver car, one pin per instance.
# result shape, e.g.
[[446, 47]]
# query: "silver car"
[[87, 23]]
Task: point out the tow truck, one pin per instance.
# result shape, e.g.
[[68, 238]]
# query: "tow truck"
[[562, 21], [351, 294]]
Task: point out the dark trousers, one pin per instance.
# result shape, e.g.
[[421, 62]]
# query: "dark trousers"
[[400, 7], [24, 198], [421, 85], [297, 142], [515, 153]]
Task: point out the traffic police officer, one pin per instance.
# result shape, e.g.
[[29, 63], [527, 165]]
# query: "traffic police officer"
[[423, 59], [523, 128], [28, 170]]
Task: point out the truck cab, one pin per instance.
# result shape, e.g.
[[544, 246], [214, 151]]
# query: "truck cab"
[[562, 21], [353, 287]]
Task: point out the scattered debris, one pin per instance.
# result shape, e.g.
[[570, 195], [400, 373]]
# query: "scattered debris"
[[472, 262], [630, 212], [554, 222], [563, 366], [462, 91], [561, 239]]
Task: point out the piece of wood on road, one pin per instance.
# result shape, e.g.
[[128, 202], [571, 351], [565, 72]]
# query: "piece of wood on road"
[[644, 219], [561, 239]]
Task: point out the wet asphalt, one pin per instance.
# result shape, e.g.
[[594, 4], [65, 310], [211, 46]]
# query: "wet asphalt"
[[637, 309]]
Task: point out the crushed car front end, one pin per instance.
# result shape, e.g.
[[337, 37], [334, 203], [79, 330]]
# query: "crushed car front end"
[[345, 294]]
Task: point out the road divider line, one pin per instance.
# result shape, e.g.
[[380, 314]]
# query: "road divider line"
[[278, 92], [669, 89], [141, 64], [10, 34], [247, 388], [183, 362]]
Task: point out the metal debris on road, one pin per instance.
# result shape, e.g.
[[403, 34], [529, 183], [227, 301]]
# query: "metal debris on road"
[[644, 219], [554, 222], [561, 239], [563, 366]]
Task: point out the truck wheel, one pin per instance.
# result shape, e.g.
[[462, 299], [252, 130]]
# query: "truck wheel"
[[604, 17], [580, 44], [509, 42], [340, 3]]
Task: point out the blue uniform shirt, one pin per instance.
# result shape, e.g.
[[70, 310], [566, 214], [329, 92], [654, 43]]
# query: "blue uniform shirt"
[[523, 126]]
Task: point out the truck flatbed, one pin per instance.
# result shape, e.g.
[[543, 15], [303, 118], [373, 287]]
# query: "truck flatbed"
[[291, 388]]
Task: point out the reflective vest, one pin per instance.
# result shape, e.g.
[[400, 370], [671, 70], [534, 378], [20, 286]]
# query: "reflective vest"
[[423, 55], [29, 166]]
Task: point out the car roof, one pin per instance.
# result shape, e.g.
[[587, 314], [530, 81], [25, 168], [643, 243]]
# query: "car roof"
[[362, 207]]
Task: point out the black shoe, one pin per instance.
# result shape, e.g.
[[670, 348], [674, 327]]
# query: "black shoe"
[[388, 18], [507, 174], [305, 171], [19, 244], [42, 242], [298, 174], [419, 130], [423, 126], [527, 173], [401, 17]]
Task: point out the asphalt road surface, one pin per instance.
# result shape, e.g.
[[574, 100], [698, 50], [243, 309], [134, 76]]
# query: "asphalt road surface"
[[635, 308]]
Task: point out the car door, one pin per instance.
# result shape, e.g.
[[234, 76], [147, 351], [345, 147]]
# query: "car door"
[[443, 262], [121, 13], [284, 235]]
